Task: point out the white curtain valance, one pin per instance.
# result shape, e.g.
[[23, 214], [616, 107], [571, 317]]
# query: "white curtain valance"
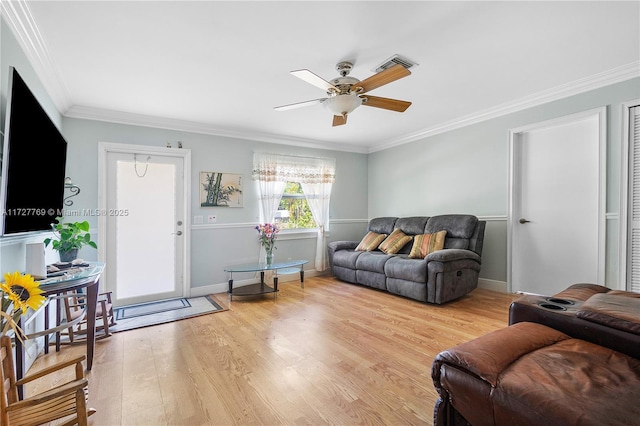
[[286, 168]]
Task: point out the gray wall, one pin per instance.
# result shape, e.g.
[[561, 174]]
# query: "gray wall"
[[232, 239], [467, 171], [460, 171]]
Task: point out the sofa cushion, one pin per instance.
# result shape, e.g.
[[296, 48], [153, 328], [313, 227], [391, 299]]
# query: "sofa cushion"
[[412, 225], [406, 269], [371, 241], [372, 261], [394, 242], [382, 225], [613, 310], [424, 244], [581, 291], [346, 258], [459, 227]]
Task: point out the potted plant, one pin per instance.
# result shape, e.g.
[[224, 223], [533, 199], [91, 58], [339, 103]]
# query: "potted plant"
[[69, 238]]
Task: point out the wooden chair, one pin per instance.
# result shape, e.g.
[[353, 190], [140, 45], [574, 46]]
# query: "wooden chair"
[[66, 401], [75, 307]]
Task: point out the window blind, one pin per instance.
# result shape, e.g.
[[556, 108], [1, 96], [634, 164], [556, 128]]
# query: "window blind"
[[634, 243]]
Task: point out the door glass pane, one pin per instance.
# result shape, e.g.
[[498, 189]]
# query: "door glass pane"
[[144, 228]]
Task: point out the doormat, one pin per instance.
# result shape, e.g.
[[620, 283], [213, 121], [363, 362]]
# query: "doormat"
[[132, 311], [161, 312]]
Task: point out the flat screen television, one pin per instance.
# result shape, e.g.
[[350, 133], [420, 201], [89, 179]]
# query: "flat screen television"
[[34, 159]]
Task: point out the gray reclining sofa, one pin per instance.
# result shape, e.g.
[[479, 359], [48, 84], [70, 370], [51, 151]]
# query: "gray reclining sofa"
[[440, 277]]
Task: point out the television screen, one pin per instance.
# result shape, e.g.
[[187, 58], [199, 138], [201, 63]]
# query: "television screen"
[[33, 163]]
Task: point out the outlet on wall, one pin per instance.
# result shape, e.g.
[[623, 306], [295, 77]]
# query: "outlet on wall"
[[212, 218]]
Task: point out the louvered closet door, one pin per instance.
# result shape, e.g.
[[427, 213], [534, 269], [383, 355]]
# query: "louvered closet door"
[[634, 202]]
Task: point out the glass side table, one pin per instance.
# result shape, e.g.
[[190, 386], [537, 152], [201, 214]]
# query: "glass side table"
[[288, 267]]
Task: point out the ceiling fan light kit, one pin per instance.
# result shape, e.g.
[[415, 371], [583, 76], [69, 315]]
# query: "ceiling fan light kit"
[[345, 94], [342, 104]]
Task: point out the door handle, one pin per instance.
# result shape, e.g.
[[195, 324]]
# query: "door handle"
[[523, 221], [177, 233]]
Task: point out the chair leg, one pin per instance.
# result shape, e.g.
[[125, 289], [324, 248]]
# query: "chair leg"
[[105, 319]]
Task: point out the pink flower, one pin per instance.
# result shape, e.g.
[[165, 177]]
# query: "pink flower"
[[267, 235]]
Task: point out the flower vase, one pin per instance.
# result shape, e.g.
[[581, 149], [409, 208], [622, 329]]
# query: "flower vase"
[[268, 257]]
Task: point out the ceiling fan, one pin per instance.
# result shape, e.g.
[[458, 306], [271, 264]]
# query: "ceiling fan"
[[344, 93]]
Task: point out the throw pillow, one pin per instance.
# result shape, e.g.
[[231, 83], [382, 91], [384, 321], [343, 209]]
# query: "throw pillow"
[[394, 242], [427, 243], [371, 241]]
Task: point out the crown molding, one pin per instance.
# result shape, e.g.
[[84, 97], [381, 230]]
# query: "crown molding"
[[110, 116], [18, 16], [606, 78]]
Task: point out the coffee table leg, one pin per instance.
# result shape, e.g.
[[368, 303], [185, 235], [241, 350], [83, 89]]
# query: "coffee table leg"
[[230, 288], [275, 286], [301, 277]]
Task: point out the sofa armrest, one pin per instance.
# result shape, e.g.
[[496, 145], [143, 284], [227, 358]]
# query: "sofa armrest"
[[486, 356], [334, 246], [342, 245], [449, 255]]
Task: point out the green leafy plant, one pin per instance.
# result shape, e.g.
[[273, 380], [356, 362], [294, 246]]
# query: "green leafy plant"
[[69, 236]]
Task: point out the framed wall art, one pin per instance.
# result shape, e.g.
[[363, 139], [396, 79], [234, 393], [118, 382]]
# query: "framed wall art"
[[218, 189]]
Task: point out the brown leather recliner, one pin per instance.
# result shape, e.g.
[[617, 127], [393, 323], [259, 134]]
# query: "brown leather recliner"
[[590, 312], [531, 374]]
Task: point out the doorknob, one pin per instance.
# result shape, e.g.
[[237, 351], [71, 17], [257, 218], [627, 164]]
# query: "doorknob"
[[523, 221], [177, 233]]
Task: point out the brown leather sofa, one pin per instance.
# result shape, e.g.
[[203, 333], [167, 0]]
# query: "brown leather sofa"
[[590, 312], [531, 374], [568, 359]]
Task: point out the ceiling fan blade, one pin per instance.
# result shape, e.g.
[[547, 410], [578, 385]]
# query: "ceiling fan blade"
[[314, 79], [386, 103], [299, 104], [339, 120], [389, 75]]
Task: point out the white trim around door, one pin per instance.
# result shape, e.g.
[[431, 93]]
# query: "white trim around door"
[[514, 196], [185, 154]]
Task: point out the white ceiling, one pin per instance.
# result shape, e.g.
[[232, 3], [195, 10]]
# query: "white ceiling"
[[220, 67]]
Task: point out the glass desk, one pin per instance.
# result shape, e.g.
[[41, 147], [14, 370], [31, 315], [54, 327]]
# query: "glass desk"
[[288, 267], [87, 278]]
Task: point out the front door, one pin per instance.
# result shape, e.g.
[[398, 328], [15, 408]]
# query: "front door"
[[145, 224], [557, 203]]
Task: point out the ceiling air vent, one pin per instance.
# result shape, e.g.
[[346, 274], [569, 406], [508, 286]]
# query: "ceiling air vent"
[[395, 59]]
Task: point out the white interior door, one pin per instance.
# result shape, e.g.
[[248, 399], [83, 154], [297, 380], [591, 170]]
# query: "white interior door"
[[557, 204], [144, 225]]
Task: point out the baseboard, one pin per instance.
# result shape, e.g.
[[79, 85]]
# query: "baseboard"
[[224, 287], [494, 285]]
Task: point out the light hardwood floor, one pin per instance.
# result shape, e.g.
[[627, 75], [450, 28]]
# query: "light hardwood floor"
[[331, 353]]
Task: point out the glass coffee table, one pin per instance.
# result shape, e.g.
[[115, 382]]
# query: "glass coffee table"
[[288, 267]]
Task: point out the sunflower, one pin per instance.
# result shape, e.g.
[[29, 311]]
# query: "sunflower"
[[23, 291]]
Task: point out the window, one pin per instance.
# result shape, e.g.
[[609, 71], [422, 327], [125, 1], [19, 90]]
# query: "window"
[[293, 211], [296, 191]]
